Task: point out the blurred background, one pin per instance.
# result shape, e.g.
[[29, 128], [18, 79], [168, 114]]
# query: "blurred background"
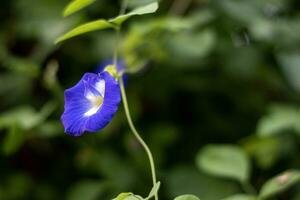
[[213, 72]]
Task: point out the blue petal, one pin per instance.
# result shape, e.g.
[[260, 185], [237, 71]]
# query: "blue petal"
[[112, 99], [76, 104]]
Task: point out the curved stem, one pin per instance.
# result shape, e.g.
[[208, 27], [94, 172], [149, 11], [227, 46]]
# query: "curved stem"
[[125, 103], [136, 134]]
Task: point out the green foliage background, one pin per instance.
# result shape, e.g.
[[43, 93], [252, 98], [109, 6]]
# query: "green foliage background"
[[222, 73]]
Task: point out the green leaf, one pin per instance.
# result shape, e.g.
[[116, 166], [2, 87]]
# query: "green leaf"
[[243, 11], [279, 183], [187, 197], [18, 120], [225, 161], [265, 150], [85, 28], [76, 5], [280, 118], [13, 140], [128, 196], [122, 196], [22, 66], [201, 44], [26, 117], [42, 20], [189, 180], [290, 62], [154, 190], [147, 9], [240, 197], [49, 129]]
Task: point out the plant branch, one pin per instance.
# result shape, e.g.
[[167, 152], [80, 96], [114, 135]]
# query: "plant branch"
[[136, 134], [125, 103]]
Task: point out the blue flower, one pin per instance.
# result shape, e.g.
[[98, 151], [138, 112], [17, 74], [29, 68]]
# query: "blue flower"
[[91, 104]]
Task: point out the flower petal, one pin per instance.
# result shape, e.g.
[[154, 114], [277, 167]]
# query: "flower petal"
[[112, 98], [78, 103]]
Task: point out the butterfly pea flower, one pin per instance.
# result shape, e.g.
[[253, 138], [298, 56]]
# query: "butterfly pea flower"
[[91, 104]]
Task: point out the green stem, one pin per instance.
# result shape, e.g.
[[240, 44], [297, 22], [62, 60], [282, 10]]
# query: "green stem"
[[115, 58], [136, 134], [125, 103]]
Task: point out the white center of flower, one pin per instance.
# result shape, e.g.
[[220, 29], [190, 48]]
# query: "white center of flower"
[[95, 100]]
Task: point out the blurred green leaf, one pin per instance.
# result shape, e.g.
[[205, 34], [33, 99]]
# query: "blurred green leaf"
[[279, 118], [266, 151], [13, 140], [244, 11], [18, 120], [188, 180], [49, 129], [87, 190], [17, 86], [22, 66], [199, 45], [281, 32], [76, 5], [290, 62], [41, 21], [26, 117], [240, 197], [279, 184], [187, 197], [263, 29], [147, 9], [224, 160], [85, 28]]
